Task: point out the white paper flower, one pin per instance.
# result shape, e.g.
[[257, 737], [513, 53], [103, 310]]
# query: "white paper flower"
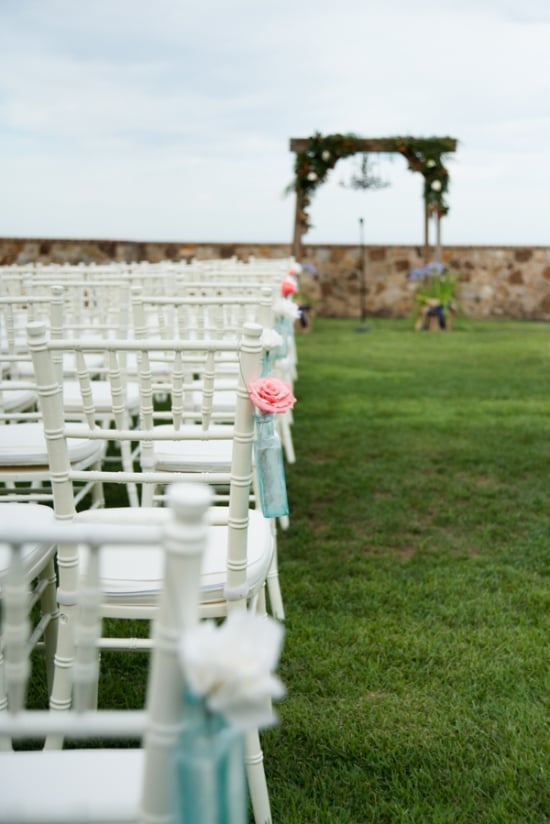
[[271, 339], [312, 176], [285, 307], [232, 667], [326, 155], [430, 163], [436, 185]]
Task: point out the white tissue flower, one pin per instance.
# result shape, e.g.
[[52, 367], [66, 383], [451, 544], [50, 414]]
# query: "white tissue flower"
[[232, 667], [284, 307], [436, 185], [271, 339]]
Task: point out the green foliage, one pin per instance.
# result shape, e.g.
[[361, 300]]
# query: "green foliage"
[[434, 282], [424, 155], [311, 167]]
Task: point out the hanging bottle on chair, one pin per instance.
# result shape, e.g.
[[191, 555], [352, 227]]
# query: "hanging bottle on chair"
[[270, 396], [270, 470]]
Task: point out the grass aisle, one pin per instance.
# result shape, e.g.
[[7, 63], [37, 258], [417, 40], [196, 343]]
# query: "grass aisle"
[[416, 579]]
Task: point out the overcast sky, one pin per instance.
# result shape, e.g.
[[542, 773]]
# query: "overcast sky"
[[171, 119]]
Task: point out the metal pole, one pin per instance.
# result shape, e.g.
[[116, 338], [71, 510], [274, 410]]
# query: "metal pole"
[[362, 280]]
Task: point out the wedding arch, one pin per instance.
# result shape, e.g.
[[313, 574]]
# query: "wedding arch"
[[318, 154]]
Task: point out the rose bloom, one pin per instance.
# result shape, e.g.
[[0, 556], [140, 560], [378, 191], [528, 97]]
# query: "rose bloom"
[[271, 395], [288, 287]]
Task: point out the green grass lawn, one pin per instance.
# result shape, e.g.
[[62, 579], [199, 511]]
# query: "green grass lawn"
[[416, 579]]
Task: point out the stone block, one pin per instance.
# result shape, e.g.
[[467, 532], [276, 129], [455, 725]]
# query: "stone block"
[[516, 277], [523, 255]]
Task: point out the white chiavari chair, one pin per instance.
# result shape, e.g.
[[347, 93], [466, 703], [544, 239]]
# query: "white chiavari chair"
[[37, 561], [241, 542], [91, 783], [217, 318], [78, 309], [24, 470]]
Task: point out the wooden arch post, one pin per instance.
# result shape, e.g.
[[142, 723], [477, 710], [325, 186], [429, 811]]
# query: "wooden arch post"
[[298, 230], [422, 154]]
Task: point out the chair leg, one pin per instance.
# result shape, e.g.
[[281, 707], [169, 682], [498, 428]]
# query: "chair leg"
[[48, 606], [147, 494], [60, 696], [5, 742], [98, 495], [257, 784], [286, 437], [273, 585], [284, 522], [126, 456]]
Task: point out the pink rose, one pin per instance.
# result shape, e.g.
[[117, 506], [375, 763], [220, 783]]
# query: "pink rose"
[[271, 395], [288, 287]]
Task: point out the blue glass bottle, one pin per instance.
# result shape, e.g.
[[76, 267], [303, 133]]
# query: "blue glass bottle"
[[270, 470], [266, 370], [283, 326], [211, 781]]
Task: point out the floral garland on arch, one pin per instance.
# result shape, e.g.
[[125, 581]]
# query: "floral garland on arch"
[[311, 167], [424, 155]]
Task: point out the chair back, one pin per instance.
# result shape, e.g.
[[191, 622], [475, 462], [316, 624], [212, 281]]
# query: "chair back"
[[183, 537], [183, 407], [203, 313]]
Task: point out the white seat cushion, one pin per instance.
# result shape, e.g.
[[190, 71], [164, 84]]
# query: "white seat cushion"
[[145, 566], [194, 455], [17, 399], [158, 367], [62, 786], [34, 556], [101, 395], [222, 401], [24, 368], [24, 444]]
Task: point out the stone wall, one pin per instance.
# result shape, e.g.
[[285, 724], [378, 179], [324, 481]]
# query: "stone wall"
[[506, 282]]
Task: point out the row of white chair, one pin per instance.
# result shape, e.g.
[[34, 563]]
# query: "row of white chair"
[[240, 545], [166, 317], [240, 585], [23, 450], [165, 277]]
